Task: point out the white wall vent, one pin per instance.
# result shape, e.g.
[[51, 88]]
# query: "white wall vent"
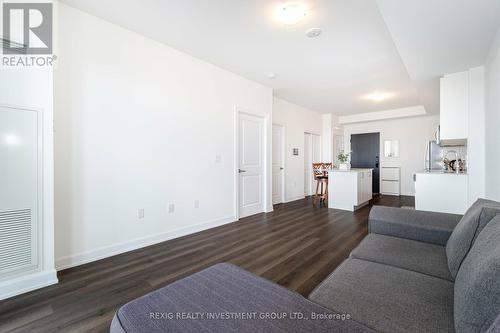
[[15, 240]]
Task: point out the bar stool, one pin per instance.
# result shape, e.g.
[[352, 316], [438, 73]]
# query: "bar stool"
[[327, 167], [321, 181]]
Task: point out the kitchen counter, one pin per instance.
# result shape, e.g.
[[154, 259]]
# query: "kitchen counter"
[[441, 172], [351, 170], [441, 191]]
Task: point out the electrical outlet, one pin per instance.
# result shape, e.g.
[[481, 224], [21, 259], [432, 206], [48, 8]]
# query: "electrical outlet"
[[218, 159], [171, 208], [140, 213], [196, 204]]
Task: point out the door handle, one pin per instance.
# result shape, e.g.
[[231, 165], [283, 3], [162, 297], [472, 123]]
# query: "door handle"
[[282, 168], [241, 171]]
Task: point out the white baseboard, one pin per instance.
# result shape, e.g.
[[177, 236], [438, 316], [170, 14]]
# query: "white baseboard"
[[26, 283], [300, 197], [398, 195], [109, 251]]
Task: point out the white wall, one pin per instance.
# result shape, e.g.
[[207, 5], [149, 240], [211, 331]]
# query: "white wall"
[[139, 125], [327, 138], [413, 135], [493, 121], [33, 89], [476, 142], [297, 120]]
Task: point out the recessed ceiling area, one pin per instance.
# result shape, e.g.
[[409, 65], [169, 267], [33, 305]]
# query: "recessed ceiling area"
[[354, 55], [440, 37]]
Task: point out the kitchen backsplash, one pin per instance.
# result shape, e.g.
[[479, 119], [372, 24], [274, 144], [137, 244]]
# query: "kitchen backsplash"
[[461, 150]]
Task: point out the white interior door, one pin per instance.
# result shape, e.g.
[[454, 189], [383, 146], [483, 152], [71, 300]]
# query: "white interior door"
[[316, 148], [316, 157], [312, 154], [307, 164], [251, 165], [278, 164]]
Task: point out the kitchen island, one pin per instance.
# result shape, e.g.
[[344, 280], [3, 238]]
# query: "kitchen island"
[[349, 189]]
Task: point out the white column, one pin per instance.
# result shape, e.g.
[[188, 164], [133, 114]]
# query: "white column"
[[326, 138]]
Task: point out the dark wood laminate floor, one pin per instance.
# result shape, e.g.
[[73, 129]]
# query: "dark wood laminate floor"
[[296, 246]]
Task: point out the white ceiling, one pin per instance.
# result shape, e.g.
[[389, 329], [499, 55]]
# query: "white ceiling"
[[356, 54], [437, 37]]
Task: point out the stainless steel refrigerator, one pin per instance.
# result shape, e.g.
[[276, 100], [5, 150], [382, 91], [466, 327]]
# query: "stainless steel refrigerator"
[[434, 159]]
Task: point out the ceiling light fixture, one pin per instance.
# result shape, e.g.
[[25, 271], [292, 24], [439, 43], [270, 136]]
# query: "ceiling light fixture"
[[271, 75], [313, 32], [291, 13], [378, 96]]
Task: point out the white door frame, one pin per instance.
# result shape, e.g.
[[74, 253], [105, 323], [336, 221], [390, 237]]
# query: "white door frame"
[[338, 142], [283, 159], [267, 166]]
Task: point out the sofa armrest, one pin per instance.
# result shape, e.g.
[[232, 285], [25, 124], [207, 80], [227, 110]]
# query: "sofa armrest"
[[429, 227]]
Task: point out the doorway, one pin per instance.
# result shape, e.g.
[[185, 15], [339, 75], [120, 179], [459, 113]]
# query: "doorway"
[[365, 153], [278, 164], [312, 154], [338, 146], [251, 175]]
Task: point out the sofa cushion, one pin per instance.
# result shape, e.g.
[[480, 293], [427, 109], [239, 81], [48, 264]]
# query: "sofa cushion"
[[495, 327], [387, 298], [416, 256], [463, 236], [225, 298], [477, 287], [429, 227]]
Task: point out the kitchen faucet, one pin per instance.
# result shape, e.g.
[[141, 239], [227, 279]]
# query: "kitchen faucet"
[[457, 165]]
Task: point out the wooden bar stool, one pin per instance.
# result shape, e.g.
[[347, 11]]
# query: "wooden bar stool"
[[321, 181]]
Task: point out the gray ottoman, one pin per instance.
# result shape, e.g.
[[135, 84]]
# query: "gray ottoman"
[[225, 298]]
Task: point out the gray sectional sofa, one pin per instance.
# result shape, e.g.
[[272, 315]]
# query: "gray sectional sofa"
[[414, 272]]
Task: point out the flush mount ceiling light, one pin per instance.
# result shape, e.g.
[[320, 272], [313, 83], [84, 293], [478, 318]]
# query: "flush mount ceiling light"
[[271, 75], [313, 32], [378, 96], [291, 13]]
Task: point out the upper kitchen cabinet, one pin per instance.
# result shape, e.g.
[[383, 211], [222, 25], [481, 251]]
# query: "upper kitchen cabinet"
[[454, 106]]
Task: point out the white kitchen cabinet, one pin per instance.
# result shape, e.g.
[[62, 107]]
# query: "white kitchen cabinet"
[[349, 190], [454, 106], [441, 192], [390, 181]]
